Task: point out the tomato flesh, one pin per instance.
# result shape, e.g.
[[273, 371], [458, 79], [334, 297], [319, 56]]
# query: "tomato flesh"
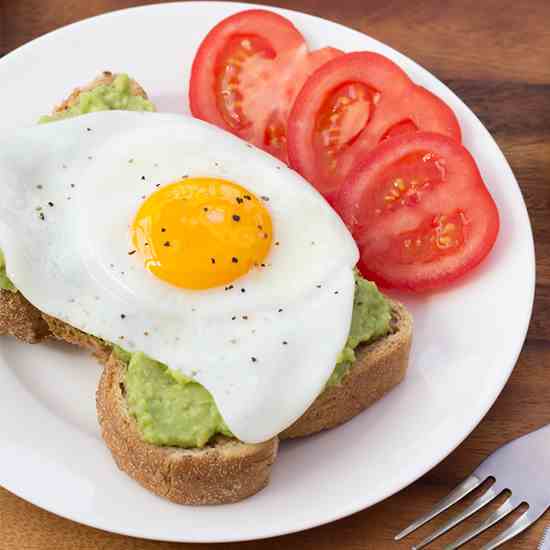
[[247, 73], [349, 106], [419, 212], [240, 52]]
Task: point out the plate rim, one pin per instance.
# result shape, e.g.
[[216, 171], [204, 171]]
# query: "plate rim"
[[438, 457]]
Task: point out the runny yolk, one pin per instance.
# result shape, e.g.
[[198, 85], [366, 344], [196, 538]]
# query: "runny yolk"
[[200, 233]]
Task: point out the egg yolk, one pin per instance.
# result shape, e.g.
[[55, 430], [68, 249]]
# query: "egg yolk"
[[200, 233]]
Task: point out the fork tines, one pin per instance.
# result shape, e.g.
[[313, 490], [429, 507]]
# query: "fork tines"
[[466, 487]]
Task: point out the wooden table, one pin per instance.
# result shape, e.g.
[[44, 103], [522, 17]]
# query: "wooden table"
[[495, 54]]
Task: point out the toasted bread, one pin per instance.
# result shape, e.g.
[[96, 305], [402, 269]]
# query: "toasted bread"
[[18, 317], [224, 471], [229, 470], [62, 331]]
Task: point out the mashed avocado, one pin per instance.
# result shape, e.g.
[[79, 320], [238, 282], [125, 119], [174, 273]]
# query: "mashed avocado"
[[171, 409], [5, 283], [114, 96]]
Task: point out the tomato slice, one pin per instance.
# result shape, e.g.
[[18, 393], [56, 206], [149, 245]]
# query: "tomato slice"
[[247, 73], [350, 105], [419, 212]]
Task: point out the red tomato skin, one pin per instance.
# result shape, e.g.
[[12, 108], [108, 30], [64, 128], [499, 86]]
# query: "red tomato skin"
[[462, 165], [403, 100]]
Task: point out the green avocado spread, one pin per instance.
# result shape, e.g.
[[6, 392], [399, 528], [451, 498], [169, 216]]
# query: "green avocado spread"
[[5, 283], [106, 97], [171, 409]]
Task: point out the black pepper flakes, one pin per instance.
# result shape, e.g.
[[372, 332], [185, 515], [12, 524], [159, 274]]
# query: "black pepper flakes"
[[319, 286], [130, 161], [143, 178], [262, 265], [88, 129], [163, 229], [145, 333], [235, 260], [243, 290], [166, 244], [264, 198], [50, 204], [247, 197], [260, 227], [233, 318], [335, 292], [254, 359], [239, 200], [122, 316], [131, 253], [277, 243], [266, 235], [280, 310], [157, 185], [236, 218], [72, 185], [39, 187], [245, 317], [90, 158], [205, 209], [285, 343], [41, 216], [213, 260]]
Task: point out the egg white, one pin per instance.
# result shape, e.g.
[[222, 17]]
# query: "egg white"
[[71, 259]]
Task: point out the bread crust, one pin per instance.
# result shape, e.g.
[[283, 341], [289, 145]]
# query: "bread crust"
[[67, 333], [378, 368], [21, 319], [225, 471]]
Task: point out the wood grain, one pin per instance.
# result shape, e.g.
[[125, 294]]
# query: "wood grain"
[[495, 54]]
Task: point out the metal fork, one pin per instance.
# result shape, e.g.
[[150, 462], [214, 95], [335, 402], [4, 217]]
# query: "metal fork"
[[521, 467]]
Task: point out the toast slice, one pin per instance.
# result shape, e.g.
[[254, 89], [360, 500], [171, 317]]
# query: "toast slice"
[[228, 470], [18, 317], [224, 471]]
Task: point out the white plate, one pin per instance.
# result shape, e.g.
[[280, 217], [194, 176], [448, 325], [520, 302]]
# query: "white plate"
[[466, 339]]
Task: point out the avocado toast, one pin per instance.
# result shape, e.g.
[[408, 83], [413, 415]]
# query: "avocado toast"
[[226, 470], [212, 466]]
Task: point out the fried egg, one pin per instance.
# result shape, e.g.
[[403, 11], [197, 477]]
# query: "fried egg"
[[165, 235]]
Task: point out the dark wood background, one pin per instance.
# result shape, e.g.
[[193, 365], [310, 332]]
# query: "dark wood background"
[[495, 54]]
